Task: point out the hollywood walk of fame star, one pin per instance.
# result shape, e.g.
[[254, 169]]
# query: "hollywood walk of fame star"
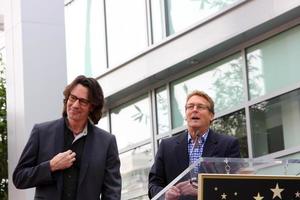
[[223, 196], [277, 191], [258, 197], [297, 194]]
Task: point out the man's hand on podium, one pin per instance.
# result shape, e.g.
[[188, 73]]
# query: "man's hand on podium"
[[173, 193], [186, 188], [183, 188]]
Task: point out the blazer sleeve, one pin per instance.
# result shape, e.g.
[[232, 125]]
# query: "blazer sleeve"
[[233, 150], [112, 181], [28, 172]]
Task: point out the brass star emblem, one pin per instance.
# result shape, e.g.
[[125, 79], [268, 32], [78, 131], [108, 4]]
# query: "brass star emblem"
[[258, 197], [223, 196], [277, 191]]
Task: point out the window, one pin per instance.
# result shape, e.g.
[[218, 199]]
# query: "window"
[[126, 29], [234, 124], [275, 123], [85, 39], [157, 21], [222, 81], [162, 110], [273, 64], [103, 123], [135, 168], [131, 122], [183, 13]]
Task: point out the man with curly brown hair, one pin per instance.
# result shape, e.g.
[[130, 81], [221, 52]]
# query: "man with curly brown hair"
[[70, 158]]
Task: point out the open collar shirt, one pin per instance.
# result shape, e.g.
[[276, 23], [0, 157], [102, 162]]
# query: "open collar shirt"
[[195, 147]]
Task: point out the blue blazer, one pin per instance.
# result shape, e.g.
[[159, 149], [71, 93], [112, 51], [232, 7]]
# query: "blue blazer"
[[172, 157], [100, 164]]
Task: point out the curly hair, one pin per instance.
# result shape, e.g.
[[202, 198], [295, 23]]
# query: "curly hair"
[[95, 96]]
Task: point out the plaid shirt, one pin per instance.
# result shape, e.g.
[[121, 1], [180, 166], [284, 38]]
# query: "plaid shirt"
[[195, 148]]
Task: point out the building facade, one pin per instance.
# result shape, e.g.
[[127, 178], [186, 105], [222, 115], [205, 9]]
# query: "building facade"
[[148, 55]]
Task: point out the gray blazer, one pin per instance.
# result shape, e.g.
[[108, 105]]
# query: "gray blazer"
[[100, 164]]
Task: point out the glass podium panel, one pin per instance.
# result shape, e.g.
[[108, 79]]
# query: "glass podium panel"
[[188, 186]]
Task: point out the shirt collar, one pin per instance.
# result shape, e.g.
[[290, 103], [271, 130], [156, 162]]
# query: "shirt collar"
[[82, 134], [203, 137]]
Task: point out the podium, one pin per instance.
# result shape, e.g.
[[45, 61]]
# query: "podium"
[[237, 179]]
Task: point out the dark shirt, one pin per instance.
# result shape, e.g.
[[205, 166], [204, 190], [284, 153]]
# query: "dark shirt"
[[71, 175]]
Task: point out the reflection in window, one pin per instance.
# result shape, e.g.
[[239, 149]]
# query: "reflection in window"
[[222, 81], [126, 29], [275, 124], [85, 40], [183, 13], [234, 124], [135, 167], [267, 60], [157, 21], [131, 122], [2, 53], [256, 82], [162, 111]]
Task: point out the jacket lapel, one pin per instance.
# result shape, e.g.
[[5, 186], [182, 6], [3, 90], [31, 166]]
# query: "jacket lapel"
[[59, 137], [88, 146], [181, 151], [58, 148], [210, 145]]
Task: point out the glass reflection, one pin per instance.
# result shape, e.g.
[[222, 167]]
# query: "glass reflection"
[[162, 111], [131, 122], [183, 13], [85, 50], [157, 21], [135, 167], [126, 29], [222, 81], [234, 124], [275, 124], [267, 60]]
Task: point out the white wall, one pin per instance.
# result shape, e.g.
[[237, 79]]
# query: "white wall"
[[36, 72], [1, 14], [1, 7]]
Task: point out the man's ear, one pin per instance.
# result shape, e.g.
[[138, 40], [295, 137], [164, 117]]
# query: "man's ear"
[[211, 117]]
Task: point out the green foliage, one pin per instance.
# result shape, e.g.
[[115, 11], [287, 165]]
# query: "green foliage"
[[3, 135]]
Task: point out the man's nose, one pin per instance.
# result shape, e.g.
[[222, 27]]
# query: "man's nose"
[[76, 103], [195, 108]]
